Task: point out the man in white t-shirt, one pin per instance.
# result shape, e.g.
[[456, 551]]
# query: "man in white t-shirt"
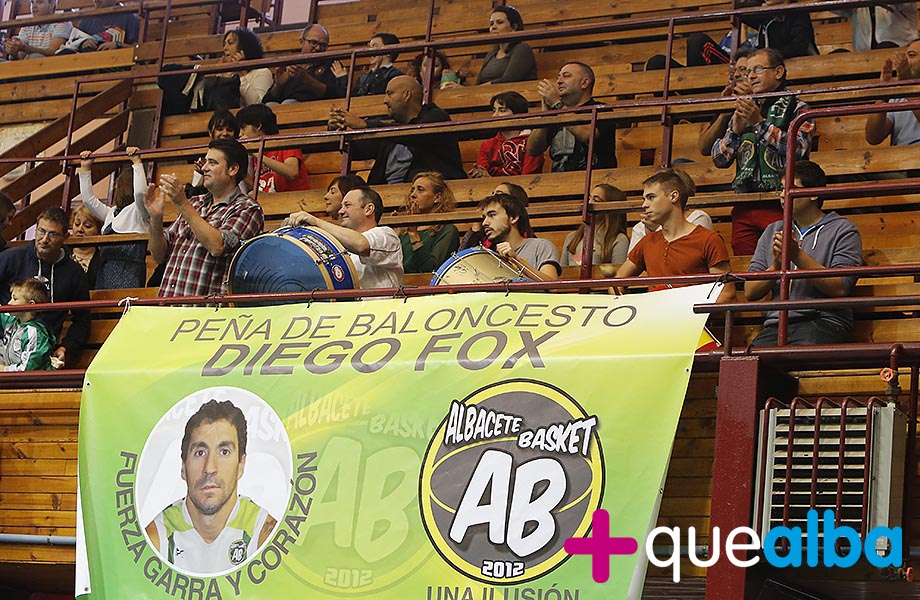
[[375, 251], [213, 529]]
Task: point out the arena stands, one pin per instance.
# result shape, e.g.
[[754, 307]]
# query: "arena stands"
[[106, 100]]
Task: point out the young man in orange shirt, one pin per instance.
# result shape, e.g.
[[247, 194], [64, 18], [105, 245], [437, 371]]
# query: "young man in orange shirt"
[[679, 247]]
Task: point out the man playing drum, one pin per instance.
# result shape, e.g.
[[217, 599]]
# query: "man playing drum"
[[375, 251], [503, 220]]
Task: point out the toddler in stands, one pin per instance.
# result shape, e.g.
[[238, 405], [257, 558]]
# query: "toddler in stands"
[[25, 344]]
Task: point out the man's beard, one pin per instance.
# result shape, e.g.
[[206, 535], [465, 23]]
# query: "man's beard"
[[210, 506]]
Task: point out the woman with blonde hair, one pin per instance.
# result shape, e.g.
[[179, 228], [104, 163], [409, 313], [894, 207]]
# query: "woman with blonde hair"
[[83, 223], [426, 247], [610, 240]]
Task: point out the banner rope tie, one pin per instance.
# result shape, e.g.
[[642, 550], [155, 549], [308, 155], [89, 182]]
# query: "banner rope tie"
[[126, 302], [724, 279]]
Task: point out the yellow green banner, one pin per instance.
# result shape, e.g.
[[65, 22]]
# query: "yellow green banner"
[[436, 448]]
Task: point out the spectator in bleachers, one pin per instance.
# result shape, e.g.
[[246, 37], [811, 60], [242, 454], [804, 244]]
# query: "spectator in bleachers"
[[283, 170], [109, 31], [883, 26], [822, 240], [903, 126], [84, 224], [643, 227], [755, 142], [791, 33], [679, 247], [568, 144], [474, 236], [373, 81], [504, 221], [375, 250], [506, 153], [739, 85], [119, 265], [418, 64], [44, 259], [221, 126], [237, 88], [337, 189], [426, 247], [398, 159], [507, 61], [695, 216], [306, 81], [38, 41], [519, 194], [703, 50], [7, 212], [25, 342], [209, 229], [610, 241]]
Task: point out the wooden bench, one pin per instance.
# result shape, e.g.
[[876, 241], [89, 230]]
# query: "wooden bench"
[[48, 94], [473, 103]]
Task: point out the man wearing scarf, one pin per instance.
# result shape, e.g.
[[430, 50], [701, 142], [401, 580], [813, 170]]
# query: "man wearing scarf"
[[756, 142]]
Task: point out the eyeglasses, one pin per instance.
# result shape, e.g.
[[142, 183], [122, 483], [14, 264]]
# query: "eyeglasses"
[[759, 69], [315, 43], [51, 235]]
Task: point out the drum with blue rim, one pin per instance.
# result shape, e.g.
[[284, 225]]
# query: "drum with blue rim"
[[292, 259], [476, 265]]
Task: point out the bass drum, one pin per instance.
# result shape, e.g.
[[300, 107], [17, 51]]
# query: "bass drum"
[[475, 265], [291, 259]]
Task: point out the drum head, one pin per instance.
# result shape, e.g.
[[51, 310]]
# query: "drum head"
[[475, 265], [292, 259]]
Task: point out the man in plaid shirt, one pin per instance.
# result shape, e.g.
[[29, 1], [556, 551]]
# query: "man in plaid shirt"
[[199, 245], [755, 142]]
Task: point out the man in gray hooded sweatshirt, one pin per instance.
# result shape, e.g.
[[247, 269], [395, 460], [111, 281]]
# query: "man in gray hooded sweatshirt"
[[822, 240]]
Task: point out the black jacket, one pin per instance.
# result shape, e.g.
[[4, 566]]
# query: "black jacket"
[[789, 32], [370, 83], [430, 151], [68, 284], [295, 89]]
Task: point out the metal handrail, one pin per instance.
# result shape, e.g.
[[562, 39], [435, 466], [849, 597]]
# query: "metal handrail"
[[552, 33], [790, 191]]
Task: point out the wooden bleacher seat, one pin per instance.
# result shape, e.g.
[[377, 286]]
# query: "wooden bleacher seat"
[[38, 430], [48, 92]]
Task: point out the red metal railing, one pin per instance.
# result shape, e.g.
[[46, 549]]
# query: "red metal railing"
[[430, 45]]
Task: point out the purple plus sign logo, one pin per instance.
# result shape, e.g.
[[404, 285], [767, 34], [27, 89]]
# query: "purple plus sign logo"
[[601, 546]]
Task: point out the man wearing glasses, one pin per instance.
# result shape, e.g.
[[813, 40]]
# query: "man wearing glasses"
[[738, 85], [755, 142], [306, 81], [44, 259]]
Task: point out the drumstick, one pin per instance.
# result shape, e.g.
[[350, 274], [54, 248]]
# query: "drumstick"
[[525, 268]]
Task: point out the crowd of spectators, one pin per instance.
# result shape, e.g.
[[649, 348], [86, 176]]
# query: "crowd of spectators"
[[216, 214]]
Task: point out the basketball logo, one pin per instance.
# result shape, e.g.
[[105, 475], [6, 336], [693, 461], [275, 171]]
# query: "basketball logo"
[[237, 552], [514, 470]]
